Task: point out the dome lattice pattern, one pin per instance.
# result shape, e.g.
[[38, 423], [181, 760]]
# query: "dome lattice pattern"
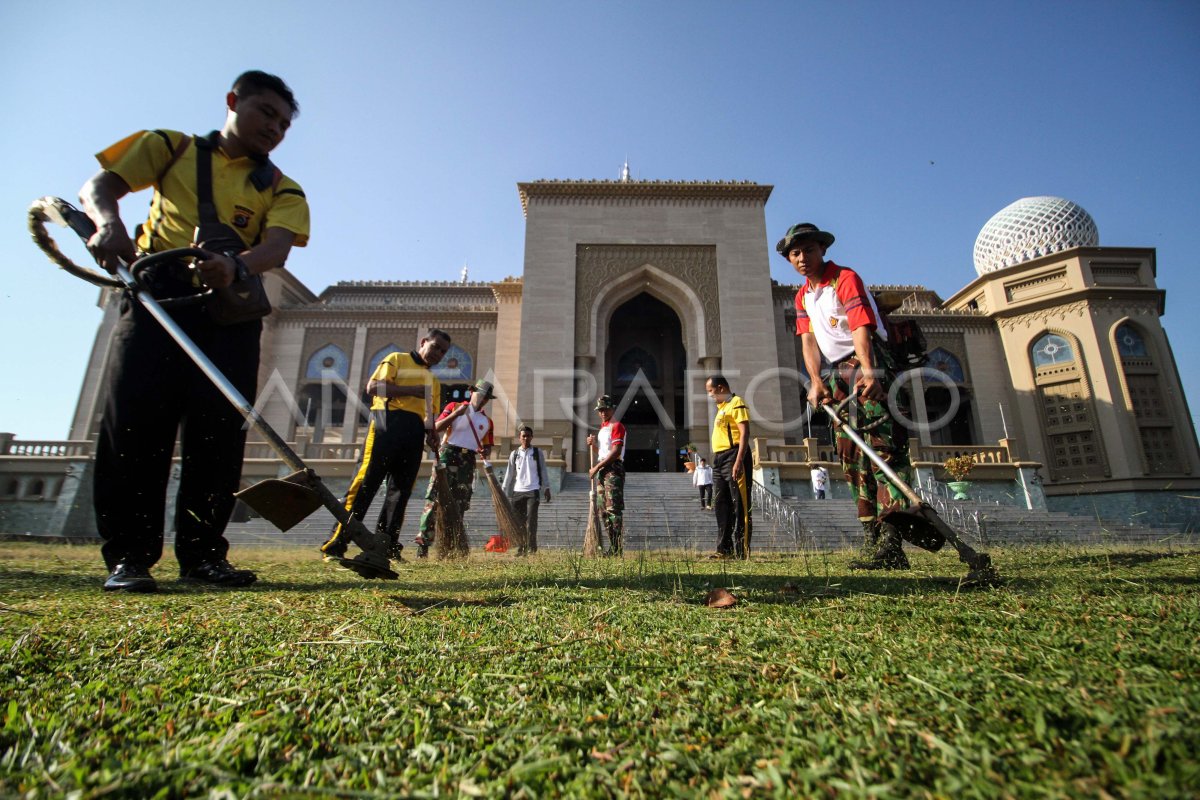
[[1032, 227]]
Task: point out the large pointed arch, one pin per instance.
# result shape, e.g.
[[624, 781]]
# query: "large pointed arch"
[[672, 291]]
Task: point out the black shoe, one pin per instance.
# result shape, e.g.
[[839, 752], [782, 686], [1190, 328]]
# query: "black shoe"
[[219, 573], [883, 560], [130, 577], [395, 551]]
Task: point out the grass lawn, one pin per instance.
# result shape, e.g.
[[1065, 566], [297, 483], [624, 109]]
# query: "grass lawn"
[[558, 676]]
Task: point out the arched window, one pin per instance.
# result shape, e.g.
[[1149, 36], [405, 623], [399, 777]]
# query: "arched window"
[[327, 362], [12, 487], [1130, 343], [947, 363], [37, 488], [1147, 401], [1068, 416], [1052, 349], [457, 365]]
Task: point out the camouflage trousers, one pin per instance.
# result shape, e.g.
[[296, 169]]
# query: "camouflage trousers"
[[460, 473], [610, 502], [873, 493]]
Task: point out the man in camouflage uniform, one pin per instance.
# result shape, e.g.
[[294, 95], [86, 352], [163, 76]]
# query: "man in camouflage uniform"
[[609, 472], [467, 430], [836, 318]]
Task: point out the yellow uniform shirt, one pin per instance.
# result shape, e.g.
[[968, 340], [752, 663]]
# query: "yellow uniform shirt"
[[140, 159], [403, 369], [725, 427]]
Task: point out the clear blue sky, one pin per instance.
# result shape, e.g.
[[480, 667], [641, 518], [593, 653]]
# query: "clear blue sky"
[[901, 127]]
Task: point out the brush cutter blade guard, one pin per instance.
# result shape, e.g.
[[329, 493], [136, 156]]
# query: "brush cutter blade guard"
[[284, 502], [919, 526]]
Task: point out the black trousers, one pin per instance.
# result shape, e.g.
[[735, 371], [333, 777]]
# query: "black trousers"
[[393, 450], [155, 392], [731, 503], [526, 504], [706, 495]]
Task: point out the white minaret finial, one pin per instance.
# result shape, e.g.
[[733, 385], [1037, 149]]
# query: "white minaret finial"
[[463, 277], [625, 172]]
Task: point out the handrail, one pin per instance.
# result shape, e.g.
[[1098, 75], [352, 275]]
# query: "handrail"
[[775, 509]]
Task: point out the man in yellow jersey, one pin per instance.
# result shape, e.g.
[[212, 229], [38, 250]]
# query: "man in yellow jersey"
[[405, 393], [154, 390], [731, 470]]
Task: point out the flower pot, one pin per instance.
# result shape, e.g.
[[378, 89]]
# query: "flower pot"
[[960, 489]]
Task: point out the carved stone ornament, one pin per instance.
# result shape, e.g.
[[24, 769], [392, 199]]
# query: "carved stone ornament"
[[600, 265]]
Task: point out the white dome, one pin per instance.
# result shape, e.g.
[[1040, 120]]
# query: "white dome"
[[1033, 227]]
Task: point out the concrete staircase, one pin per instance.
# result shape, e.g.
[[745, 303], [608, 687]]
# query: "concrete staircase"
[[833, 524], [662, 511]]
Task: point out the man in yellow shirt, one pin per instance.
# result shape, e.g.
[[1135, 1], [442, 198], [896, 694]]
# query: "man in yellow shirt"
[[154, 390], [731, 470], [405, 395]]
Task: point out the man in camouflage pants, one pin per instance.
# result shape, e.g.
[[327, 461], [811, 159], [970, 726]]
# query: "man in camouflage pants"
[[609, 472], [836, 318], [467, 430]]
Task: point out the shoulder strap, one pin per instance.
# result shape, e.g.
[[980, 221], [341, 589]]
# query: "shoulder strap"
[[176, 152], [204, 189]]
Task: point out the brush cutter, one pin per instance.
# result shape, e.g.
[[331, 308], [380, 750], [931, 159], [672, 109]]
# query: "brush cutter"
[[283, 502], [918, 523]]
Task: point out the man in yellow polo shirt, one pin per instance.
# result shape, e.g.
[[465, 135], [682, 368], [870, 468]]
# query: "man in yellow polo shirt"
[[405, 394], [731, 470], [154, 391]]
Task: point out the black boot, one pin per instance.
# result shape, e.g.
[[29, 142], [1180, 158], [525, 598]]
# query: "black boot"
[[889, 554]]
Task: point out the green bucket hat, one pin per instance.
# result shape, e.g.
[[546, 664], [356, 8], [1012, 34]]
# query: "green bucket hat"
[[799, 233], [605, 401]]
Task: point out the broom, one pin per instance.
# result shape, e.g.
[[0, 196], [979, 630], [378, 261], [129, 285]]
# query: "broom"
[[511, 527], [450, 539], [591, 537]]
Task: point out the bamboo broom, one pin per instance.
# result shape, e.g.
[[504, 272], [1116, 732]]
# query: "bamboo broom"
[[449, 538], [591, 537], [511, 527]]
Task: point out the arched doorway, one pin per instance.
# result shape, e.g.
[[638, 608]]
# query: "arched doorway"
[[645, 362]]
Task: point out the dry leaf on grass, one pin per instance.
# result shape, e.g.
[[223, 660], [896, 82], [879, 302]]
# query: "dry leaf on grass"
[[719, 598]]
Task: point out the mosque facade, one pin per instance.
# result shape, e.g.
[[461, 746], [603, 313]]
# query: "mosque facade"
[[1051, 367]]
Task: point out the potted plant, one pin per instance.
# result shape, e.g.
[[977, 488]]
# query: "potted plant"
[[689, 457], [959, 468]]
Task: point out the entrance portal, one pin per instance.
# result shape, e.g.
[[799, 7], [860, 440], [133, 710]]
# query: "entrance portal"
[[645, 365]]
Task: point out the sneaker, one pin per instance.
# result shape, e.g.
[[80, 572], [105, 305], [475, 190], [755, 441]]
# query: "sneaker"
[[130, 577], [218, 573]]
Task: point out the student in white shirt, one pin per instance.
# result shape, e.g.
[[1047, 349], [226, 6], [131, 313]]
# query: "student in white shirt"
[[527, 484]]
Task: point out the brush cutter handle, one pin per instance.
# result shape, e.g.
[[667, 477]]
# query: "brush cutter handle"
[[60, 212], [844, 413], [886, 468]]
